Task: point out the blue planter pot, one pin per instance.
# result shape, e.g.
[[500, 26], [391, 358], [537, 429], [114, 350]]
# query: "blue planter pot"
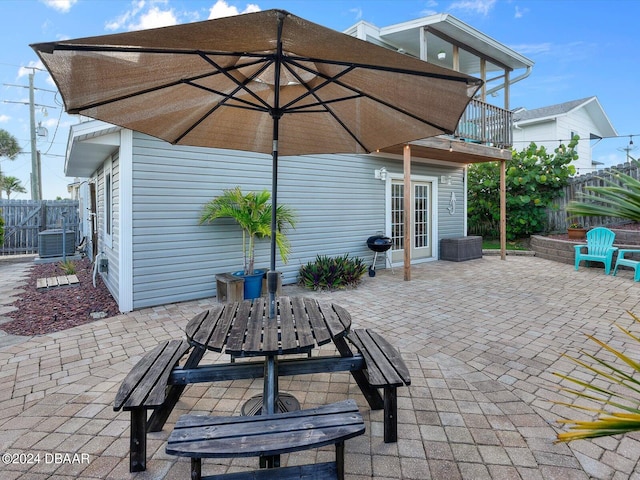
[[252, 283]]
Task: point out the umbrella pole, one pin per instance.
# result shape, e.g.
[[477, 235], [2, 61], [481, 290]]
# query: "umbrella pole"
[[276, 113], [272, 275]]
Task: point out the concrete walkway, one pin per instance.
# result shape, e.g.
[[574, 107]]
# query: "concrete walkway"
[[14, 273], [481, 338]]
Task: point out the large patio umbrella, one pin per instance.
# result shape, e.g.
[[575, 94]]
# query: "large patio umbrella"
[[266, 82]]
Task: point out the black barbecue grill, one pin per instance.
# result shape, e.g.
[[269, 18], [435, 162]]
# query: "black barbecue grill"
[[379, 244]]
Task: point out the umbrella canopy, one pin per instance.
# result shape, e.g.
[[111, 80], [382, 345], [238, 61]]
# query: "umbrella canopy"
[[211, 83], [266, 82]]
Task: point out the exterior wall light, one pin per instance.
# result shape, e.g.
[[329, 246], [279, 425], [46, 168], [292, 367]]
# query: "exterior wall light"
[[381, 174]]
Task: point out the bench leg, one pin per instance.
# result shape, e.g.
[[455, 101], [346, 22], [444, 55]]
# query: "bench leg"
[[196, 468], [370, 393], [138, 441], [340, 460], [160, 415], [390, 415]]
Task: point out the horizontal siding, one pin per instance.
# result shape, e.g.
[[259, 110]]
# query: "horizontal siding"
[[337, 200]]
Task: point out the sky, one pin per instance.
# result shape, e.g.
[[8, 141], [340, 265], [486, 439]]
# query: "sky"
[[581, 48]]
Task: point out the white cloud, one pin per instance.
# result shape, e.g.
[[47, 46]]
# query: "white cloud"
[[533, 48], [60, 5], [154, 18], [143, 15], [520, 12], [222, 9], [483, 7], [25, 71], [357, 12], [4, 118], [431, 8], [121, 21]]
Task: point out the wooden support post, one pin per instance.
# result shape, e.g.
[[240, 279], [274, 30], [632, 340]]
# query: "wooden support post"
[[406, 154]]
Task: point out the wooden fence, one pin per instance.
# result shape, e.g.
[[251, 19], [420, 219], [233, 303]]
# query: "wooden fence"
[[25, 219], [557, 216]]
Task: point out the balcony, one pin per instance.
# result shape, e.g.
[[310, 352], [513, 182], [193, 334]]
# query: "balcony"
[[486, 124]]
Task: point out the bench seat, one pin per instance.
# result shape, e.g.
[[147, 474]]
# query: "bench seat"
[[145, 388], [202, 436], [384, 368]]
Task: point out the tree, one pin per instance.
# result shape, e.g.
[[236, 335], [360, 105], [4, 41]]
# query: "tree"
[[11, 184], [9, 148], [534, 178], [619, 199]]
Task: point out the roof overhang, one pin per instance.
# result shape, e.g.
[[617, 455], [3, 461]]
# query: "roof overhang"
[[448, 28], [455, 151], [89, 145]]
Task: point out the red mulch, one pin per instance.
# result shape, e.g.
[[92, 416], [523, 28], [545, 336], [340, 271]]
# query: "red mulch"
[[58, 308]]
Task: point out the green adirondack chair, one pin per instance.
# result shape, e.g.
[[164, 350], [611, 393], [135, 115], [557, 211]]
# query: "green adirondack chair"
[[599, 248]]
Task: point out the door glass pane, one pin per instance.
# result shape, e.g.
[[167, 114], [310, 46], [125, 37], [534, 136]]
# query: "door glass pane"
[[421, 216], [397, 216]]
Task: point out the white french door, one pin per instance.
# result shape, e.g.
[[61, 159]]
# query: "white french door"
[[421, 216]]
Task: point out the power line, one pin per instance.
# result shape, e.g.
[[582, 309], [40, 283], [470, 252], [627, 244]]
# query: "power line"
[[569, 139]]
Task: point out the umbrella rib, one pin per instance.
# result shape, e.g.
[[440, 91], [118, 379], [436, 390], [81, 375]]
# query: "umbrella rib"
[[313, 92], [243, 85], [229, 96], [368, 66], [371, 97], [79, 109]]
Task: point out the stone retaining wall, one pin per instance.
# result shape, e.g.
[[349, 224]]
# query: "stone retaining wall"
[[562, 251]]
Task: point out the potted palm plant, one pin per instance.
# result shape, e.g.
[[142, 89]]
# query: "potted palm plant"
[[252, 212]]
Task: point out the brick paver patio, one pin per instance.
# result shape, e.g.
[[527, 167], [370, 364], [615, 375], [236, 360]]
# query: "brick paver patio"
[[481, 338]]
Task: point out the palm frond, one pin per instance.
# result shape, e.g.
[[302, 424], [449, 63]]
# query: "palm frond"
[[609, 422]]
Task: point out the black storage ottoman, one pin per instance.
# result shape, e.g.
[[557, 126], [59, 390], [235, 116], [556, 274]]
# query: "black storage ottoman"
[[460, 249]]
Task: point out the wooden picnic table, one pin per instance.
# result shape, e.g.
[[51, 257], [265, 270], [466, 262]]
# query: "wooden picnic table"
[[244, 329]]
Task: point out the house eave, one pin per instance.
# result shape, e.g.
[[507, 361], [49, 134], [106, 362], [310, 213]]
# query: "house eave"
[[453, 151], [89, 144]]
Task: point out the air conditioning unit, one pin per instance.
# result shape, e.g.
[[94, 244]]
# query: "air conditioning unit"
[[50, 243]]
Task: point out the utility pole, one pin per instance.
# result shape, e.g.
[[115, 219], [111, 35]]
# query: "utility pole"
[[35, 174], [36, 178]]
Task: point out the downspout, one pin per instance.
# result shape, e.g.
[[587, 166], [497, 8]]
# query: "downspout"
[[511, 82]]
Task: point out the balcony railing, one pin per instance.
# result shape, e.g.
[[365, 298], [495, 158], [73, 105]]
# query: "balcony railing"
[[486, 124]]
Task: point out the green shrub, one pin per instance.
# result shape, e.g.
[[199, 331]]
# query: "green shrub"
[[330, 273], [1, 228]]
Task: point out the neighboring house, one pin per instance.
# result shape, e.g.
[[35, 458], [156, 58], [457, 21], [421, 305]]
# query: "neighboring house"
[[555, 124], [142, 197]]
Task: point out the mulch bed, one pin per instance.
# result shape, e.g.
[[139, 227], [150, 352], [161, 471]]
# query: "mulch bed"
[[42, 311]]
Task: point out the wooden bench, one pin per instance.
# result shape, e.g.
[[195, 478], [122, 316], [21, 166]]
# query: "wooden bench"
[[201, 436], [384, 368], [145, 388]]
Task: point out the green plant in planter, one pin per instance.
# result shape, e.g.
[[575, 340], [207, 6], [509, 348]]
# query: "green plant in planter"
[[252, 212], [328, 273]]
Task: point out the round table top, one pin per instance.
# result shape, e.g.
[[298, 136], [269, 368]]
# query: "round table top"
[[245, 329]]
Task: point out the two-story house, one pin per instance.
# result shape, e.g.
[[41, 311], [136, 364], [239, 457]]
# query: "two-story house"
[[549, 126]]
